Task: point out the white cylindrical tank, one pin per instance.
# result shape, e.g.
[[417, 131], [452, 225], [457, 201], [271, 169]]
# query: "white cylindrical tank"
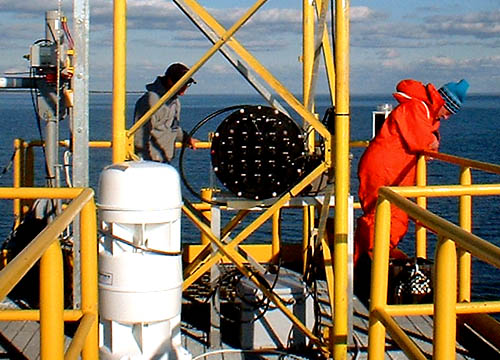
[[140, 268]]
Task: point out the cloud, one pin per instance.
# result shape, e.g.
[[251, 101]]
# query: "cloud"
[[481, 25], [385, 45], [364, 13]]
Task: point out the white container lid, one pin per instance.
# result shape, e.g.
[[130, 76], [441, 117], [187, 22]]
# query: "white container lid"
[[139, 192]]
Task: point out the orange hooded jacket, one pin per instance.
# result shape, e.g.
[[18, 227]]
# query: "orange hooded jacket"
[[390, 159]]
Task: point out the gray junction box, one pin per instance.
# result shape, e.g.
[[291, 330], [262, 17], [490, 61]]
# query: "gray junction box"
[[263, 325]]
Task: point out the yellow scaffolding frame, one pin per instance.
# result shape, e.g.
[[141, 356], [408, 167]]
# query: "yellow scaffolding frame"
[[338, 77], [446, 307], [46, 248]]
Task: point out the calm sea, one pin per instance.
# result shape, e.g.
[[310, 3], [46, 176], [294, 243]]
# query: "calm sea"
[[473, 133]]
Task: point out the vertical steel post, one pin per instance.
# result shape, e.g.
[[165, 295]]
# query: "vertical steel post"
[[445, 300], [275, 245], [420, 231], [464, 258], [307, 70], [307, 53], [80, 84], [52, 304], [17, 175], [342, 178], [206, 194], [88, 231], [379, 276], [80, 119], [119, 80]]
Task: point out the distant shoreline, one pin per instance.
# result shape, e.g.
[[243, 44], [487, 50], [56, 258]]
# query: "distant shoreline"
[[132, 92]]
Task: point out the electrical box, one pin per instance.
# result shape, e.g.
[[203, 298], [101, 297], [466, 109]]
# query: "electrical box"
[[263, 325], [43, 55]]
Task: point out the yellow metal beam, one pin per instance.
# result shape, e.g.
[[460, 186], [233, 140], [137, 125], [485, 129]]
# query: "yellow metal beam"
[[379, 276], [80, 339], [445, 300], [342, 178], [193, 276], [18, 267], [52, 303], [467, 241], [225, 37], [397, 334], [473, 164], [225, 250], [420, 231], [465, 221], [260, 70], [119, 80], [89, 281]]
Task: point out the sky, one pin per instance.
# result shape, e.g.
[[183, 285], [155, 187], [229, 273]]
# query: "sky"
[[431, 41]]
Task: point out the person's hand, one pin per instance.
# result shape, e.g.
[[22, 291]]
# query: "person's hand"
[[434, 146], [192, 143]]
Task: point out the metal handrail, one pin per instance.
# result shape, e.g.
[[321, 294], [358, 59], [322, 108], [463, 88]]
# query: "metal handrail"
[[445, 302], [46, 248]]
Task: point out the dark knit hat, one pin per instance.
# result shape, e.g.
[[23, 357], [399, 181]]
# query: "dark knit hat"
[[453, 95], [177, 70]]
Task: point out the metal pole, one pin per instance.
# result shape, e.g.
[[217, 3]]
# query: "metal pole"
[[342, 172], [420, 231], [119, 80], [464, 257], [52, 304], [445, 300]]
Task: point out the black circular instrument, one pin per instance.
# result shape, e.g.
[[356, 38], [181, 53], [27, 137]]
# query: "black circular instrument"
[[258, 152]]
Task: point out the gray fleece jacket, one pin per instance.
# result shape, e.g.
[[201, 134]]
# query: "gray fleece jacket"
[[156, 139]]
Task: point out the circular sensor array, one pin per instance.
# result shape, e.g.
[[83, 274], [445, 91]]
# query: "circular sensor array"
[[258, 152]]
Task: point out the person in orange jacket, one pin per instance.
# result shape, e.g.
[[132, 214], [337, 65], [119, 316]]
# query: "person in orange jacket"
[[391, 157]]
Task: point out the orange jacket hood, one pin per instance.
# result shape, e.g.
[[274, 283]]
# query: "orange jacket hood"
[[411, 89]]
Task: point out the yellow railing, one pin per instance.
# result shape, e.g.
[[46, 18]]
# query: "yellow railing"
[[46, 248], [23, 174], [445, 308], [465, 210]]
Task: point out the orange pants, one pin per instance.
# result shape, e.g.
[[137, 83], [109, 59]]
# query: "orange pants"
[[365, 231]]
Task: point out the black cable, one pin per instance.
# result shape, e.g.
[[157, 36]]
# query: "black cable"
[[9, 165]]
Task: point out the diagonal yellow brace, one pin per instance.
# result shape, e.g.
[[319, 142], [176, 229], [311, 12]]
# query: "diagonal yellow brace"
[[213, 258], [328, 55], [224, 37], [226, 250], [330, 278], [208, 249], [259, 69], [235, 256]]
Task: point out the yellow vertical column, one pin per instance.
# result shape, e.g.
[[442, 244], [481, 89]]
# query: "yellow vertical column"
[[206, 195], [379, 276], [307, 53], [420, 231], [342, 178], [445, 300], [52, 304], [17, 175], [276, 239], [119, 79], [464, 258], [89, 270], [307, 68]]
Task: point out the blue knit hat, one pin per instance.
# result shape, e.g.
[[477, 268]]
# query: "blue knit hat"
[[453, 95]]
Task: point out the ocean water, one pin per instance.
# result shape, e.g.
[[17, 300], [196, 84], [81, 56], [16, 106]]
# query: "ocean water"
[[473, 133]]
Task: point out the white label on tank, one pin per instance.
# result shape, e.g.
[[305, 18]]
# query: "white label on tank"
[[105, 278]]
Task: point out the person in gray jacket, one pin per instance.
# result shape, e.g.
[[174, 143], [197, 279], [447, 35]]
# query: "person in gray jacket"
[[155, 140]]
